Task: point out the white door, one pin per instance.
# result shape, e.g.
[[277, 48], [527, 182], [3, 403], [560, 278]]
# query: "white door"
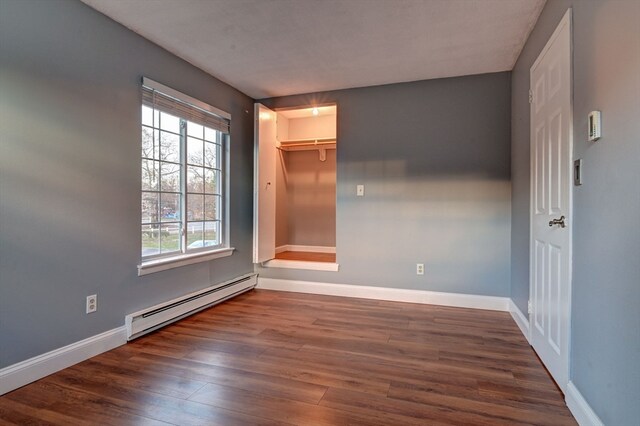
[[551, 198], [264, 225]]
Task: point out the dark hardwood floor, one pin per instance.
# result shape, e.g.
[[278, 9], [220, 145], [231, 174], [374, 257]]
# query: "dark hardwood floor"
[[267, 358]]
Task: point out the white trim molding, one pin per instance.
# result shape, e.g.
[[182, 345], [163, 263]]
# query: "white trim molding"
[[581, 410], [494, 303], [301, 264], [157, 265], [521, 320], [310, 249], [30, 370]]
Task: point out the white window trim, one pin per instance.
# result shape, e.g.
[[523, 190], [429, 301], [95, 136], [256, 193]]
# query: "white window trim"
[[152, 265], [162, 264]]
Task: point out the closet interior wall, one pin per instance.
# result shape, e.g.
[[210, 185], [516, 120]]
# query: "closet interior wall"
[[305, 185]]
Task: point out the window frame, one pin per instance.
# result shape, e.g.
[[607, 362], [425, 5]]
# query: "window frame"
[[184, 256]]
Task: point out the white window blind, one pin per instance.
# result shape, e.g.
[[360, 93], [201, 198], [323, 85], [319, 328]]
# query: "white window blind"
[[163, 98]]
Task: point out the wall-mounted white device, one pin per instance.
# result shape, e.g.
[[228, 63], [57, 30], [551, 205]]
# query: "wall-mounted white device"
[[595, 126]]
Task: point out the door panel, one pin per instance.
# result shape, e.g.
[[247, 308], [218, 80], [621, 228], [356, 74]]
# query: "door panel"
[[551, 146], [538, 181], [554, 287], [556, 190], [264, 232], [539, 262]]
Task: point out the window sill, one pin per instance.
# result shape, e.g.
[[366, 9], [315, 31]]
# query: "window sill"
[[301, 264], [157, 265]]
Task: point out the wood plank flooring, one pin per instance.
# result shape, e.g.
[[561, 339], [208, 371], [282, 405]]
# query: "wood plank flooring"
[[307, 256], [275, 358]]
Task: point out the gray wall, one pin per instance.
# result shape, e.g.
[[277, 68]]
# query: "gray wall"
[[70, 175], [311, 198], [434, 159], [605, 344]]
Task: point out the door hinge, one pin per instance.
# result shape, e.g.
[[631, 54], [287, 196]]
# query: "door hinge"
[[530, 96], [529, 307]]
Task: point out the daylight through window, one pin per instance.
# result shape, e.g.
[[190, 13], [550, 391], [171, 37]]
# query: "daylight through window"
[[183, 200]]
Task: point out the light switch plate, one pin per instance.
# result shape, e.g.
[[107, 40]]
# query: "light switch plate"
[[360, 190], [577, 172], [595, 126]]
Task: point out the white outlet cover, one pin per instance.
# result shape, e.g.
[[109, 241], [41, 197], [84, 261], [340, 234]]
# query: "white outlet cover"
[[92, 303]]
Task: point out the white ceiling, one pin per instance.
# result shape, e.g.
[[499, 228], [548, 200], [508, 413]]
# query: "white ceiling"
[[280, 47]]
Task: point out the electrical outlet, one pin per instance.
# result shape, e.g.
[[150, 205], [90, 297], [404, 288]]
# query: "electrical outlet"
[[92, 303], [420, 268]]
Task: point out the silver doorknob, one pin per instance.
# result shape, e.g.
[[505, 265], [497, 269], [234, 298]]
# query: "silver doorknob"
[[559, 221]]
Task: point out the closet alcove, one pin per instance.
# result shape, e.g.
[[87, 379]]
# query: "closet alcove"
[[295, 188]]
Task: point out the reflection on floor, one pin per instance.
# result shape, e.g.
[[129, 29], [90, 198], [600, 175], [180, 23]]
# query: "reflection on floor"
[[267, 357], [307, 256]]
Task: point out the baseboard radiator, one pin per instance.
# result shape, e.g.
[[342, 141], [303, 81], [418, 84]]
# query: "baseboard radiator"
[[147, 320]]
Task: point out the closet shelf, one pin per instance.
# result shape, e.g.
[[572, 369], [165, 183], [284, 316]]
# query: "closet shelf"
[[320, 144], [307, 144]]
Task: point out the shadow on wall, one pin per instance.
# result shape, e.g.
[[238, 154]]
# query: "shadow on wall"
[[458, 225]]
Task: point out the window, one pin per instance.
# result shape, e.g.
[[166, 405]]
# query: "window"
[[184, 146]]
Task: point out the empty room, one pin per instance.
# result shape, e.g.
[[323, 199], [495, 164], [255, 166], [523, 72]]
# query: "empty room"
[[320, 212]]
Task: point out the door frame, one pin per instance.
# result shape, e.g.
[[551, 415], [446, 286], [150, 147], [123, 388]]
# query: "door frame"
[[273, 262], [258, 184], [564, 24]]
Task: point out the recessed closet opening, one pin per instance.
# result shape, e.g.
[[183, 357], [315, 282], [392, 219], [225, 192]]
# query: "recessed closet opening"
[[301, 193]]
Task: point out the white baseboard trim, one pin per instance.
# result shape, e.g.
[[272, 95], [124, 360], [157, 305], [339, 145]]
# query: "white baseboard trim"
[[311, 249], [520, 319], [581, 410], [493, 303], [30, 370]]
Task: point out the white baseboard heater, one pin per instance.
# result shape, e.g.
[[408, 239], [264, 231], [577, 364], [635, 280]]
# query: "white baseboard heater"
[[147, 320]]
